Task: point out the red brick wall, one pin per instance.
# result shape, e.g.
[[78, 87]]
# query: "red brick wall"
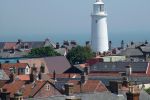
[[94, 61], [46, 93]]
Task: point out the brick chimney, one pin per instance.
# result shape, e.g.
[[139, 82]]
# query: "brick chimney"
[[86, 70], [84, 78], [54, 75], [18, 96], [66, 43], [5, 95], [42, 68], [73, 42], [11, 77], [114, 86], [125, 81], [31, 77], [69, 89], [128, 70], [132, 95], [87, 43], [57, 45]]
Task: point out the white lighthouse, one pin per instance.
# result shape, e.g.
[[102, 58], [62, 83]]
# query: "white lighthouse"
[[99, 39]]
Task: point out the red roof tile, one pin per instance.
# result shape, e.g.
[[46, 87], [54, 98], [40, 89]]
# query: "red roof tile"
[[9, 45], [23, 77], [28, 89], [89, 86], [13, 87], [17, 65]]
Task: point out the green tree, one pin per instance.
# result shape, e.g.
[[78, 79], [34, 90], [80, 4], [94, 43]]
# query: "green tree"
[[147, 90], [79, 54], [43, 52]]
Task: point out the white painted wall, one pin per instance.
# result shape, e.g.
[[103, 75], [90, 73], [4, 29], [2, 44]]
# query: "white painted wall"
[[27, 70], [99, 38]]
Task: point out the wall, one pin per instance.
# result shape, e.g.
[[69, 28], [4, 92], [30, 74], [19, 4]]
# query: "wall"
[[45, 92]]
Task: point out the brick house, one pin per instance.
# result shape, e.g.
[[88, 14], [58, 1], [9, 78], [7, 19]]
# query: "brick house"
[[36, 89], [16, 68]]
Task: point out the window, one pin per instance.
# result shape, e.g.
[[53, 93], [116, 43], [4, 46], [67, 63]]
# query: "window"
[[102, 8], [22, 46], [47, 87], [26, 46], [21, 70], [12, 69], [27, 69], [96, 21], [105, 66]]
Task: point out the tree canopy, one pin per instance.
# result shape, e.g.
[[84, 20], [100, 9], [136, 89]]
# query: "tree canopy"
[[43, 52], [79, 54], [147, 90]]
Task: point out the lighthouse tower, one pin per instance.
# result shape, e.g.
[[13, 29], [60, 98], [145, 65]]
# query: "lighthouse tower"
[[99, 39]]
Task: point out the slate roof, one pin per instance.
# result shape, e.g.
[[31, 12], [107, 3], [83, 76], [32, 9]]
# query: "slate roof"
[[58, 63], [74, 69], [145, 49], [16, 65], [2, 45], [37, 44], [12, 55], [131, 52], [3, 75], [119, 66], [31, 44]]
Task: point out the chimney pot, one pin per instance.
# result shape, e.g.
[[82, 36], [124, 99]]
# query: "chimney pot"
[[57, 45], [18, 96], [69, 89], [84, 77], [132, 96], [128, 70], [5, 95]]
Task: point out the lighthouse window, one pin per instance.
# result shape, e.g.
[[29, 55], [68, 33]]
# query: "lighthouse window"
[[96, 21], [101, 7]]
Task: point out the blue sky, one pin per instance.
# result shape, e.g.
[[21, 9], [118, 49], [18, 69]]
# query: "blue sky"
[[70, 19]]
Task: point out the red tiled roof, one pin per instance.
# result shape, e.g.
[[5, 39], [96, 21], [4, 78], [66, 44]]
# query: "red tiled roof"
[[9, 45], [31, 89], [57, 63], [13, 87], [36, 61], [23, 77], [89, 86], [17, 65], [28, 89]]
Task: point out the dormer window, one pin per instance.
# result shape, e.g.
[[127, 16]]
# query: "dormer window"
[[12, 70]]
